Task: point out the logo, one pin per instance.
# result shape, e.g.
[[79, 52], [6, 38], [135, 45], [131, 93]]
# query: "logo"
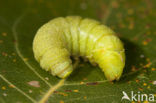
[[138, 96]]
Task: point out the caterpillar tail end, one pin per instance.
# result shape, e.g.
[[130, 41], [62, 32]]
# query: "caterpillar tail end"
[[66, 72], [66, 75]]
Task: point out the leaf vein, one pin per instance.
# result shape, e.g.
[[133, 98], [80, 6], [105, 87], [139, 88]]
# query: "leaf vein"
[[19, 90], [18, 51]]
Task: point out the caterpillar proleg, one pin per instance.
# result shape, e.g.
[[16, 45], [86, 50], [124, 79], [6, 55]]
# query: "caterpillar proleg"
[[63, 37]]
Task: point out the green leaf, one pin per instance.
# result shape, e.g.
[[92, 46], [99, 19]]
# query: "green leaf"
[[23, 81]]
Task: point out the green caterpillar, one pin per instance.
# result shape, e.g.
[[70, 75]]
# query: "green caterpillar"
[[62, 37]]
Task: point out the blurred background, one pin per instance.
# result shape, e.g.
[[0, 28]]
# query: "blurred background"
[[23, 81]]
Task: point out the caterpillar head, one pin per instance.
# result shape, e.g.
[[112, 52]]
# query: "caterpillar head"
[[114, 64], [110, 57], [111, 63]]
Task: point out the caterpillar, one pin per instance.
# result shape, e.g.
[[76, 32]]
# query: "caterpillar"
[[63, 37]]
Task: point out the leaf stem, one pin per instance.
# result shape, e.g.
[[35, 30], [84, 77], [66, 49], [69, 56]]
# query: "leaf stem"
[[59, 84], [51, 91]]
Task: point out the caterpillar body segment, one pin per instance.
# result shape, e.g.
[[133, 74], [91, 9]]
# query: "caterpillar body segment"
[[74, 25], [61, 38], [86, 25]]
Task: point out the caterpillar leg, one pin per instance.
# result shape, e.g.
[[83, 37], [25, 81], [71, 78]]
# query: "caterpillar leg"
[[77, 61]]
